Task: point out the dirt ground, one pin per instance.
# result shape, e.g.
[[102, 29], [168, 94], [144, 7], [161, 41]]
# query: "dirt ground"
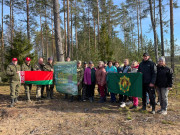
[[60, 117]]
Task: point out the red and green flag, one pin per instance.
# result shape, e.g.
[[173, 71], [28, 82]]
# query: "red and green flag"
[[36, 77], [129, 84]]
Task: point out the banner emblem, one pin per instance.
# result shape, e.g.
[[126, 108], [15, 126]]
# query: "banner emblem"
[[124, 84]]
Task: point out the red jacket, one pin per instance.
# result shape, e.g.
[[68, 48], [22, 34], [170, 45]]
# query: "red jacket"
[[101, 76]]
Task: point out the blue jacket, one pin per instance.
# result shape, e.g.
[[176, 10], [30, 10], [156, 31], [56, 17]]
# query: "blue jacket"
[[112, 69]]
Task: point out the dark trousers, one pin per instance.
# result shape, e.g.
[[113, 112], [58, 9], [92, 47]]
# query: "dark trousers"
[[84, 93], [123, 98], [152, 96], [42, 90], [113, 97], [49, 91], [90, 90]]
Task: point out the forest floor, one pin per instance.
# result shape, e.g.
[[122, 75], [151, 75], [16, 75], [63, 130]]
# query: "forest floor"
[[61, 117]]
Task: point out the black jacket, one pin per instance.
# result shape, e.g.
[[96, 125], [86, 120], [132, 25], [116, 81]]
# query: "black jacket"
[[164, 77], [149, 70]]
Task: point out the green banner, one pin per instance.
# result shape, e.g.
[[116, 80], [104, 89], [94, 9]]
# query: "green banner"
[[129, 84], [65, 74]]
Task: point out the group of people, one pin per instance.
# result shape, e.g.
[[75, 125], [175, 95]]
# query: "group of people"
[[155, 77]]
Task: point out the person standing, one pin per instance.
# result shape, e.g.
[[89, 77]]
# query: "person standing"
[[49, 88], [149, 71], [111, 69], [90, 80], [101, 81], [123, 98], [134, 69], [13, 70], [40, 88], [80, 74], [84, 94], [117, 66], [164, 82], [27, 67]]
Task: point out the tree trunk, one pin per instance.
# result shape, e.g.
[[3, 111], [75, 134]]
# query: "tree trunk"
[[46, 37], [2, 39], [137, 4], [154, 31], [76, 30], [68, 31], [42, 45], [52, 35], [10, 21], [98, 20], [89, 28], [71, 32], [94, 33], [161, 27], [27, 12], [58, 40], [65, 37], [141, 25], [172, 33]]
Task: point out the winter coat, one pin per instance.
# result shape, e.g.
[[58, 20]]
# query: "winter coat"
[[89, 76], [149, 70], [134, 69], [164, 77], [12, 72], [101, 76]]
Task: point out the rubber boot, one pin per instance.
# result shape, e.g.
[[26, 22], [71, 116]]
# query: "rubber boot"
[[79, 98], [66, 96], [48, 94], [51, 93], [28, 97], [12, 103], [16, 100]]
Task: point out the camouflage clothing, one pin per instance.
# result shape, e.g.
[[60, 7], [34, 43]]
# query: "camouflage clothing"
[[80, 75], [39, 67], [14, 80], [49, 88], [27, 87]]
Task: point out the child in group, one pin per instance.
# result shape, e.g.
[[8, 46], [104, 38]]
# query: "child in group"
[[134, 69], [125, 69]]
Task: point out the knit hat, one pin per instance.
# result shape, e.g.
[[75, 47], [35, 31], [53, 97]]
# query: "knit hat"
[[162, 59]]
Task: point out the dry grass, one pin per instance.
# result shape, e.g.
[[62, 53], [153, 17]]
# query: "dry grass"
[[60, 117]]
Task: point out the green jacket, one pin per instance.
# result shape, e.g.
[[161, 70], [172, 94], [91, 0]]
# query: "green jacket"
[[26, 67], [12, 72], [80, 74], [39, 67], [48, 67]]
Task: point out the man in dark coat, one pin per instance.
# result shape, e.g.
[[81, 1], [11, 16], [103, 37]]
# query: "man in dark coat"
[[149, 71]]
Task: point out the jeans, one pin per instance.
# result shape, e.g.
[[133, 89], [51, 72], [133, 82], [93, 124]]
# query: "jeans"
[[163, 97], [113, 97]]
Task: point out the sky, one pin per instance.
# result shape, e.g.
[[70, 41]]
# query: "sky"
[[145, 23]]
